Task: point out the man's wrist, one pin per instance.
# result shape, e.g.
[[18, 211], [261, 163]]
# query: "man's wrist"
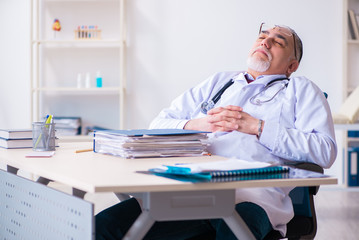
[[260, 128]]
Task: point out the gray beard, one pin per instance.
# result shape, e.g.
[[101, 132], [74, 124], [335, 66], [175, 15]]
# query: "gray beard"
[[257, 65]]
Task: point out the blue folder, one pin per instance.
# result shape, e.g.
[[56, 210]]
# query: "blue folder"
[[151, 132]]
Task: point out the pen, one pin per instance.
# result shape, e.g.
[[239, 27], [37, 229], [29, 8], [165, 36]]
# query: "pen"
[[49, 121], [84, 150], [40, 136]]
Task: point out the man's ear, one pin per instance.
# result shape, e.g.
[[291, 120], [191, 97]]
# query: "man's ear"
[[293, 66]]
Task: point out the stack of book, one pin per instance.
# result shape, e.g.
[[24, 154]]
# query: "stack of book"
[[150, 143], [15, 138]]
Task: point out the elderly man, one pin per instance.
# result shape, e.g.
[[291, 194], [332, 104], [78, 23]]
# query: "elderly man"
[[257, 115]]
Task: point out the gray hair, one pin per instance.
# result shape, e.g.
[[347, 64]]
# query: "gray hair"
[[298, 45]]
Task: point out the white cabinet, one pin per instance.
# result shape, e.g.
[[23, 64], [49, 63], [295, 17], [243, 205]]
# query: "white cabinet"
[[351, 50], [350, 76], [58, 58]]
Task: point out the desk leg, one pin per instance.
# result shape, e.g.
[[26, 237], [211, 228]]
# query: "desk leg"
[[141, 226], [238, 226]]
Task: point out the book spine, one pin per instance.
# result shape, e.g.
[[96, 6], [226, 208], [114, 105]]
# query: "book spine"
[[353, 167]]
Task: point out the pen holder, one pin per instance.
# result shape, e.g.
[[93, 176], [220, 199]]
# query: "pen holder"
[[43, 136]]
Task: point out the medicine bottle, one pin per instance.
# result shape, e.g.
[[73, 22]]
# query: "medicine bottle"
[[98, 79]]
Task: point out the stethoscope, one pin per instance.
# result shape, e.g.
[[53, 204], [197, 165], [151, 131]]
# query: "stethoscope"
[[208, 105]]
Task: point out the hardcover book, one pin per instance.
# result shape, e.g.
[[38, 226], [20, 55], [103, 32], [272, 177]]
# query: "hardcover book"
[[15, 133], [16, 143]]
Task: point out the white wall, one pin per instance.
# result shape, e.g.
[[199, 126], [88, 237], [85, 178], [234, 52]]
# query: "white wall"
[[14, 64], [175, 44]]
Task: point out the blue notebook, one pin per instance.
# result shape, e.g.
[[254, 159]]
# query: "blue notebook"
[[231, 170], [151, 132]]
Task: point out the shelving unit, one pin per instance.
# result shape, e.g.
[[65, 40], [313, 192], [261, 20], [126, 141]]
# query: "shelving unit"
[[350, 77], [57, 58]]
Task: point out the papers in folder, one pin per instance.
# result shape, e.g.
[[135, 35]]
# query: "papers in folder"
[[150, 143]]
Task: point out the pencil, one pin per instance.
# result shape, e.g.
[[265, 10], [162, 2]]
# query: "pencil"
[[84, 150]]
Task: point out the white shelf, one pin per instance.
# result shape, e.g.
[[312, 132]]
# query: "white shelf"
[[347, 127], [70, 89], [81, 91], [81, 43], [351, 41], [57, 59], [71, 1]]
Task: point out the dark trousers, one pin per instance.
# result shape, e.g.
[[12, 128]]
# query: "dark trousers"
[[113, 223]]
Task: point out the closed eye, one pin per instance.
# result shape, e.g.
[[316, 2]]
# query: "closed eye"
[[280, 43], [262, 36]]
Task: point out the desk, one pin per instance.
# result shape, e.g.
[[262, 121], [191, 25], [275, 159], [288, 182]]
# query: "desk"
[[164, 199]]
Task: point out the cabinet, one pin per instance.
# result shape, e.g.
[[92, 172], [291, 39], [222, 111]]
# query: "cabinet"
[[350, 77], [64, 67], [351, 51]]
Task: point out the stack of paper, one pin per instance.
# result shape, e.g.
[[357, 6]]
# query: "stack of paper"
[[150, 143]]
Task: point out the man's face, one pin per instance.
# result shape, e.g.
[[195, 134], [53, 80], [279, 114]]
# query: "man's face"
[[273, 52]]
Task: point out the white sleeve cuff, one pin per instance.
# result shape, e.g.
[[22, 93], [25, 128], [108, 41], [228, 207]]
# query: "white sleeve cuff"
[[269, 134]]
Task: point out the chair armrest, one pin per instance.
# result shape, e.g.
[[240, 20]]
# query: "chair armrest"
[[310, 167]]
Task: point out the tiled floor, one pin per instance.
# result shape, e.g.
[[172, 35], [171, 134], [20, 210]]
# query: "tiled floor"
[[337, 213]]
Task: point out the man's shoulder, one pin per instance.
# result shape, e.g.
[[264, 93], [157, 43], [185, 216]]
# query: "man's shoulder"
[[301, 81], [301, 84], [299, 78]]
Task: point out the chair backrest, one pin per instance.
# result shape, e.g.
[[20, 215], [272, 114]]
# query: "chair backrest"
[[300, 200]]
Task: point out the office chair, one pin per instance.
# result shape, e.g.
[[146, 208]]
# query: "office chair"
[[304, 223]]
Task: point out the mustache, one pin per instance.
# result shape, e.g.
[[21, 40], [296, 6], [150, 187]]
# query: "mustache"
[[262, 49]]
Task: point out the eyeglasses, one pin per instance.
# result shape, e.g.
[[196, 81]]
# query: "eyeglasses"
[[282, 29]]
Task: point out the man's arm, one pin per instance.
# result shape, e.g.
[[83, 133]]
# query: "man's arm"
[[306, 131]]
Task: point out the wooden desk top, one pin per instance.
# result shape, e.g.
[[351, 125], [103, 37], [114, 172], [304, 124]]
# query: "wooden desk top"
[[94, 172]]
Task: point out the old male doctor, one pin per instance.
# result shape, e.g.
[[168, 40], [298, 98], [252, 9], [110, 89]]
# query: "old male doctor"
[[261, 114]]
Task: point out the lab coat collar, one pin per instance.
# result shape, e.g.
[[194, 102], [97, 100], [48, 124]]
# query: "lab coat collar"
[[262, 79]]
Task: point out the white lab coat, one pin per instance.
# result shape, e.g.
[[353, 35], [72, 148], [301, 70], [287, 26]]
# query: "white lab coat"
[[298, 127]]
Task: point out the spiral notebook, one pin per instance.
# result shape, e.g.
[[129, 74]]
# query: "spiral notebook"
[[228, 170]]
